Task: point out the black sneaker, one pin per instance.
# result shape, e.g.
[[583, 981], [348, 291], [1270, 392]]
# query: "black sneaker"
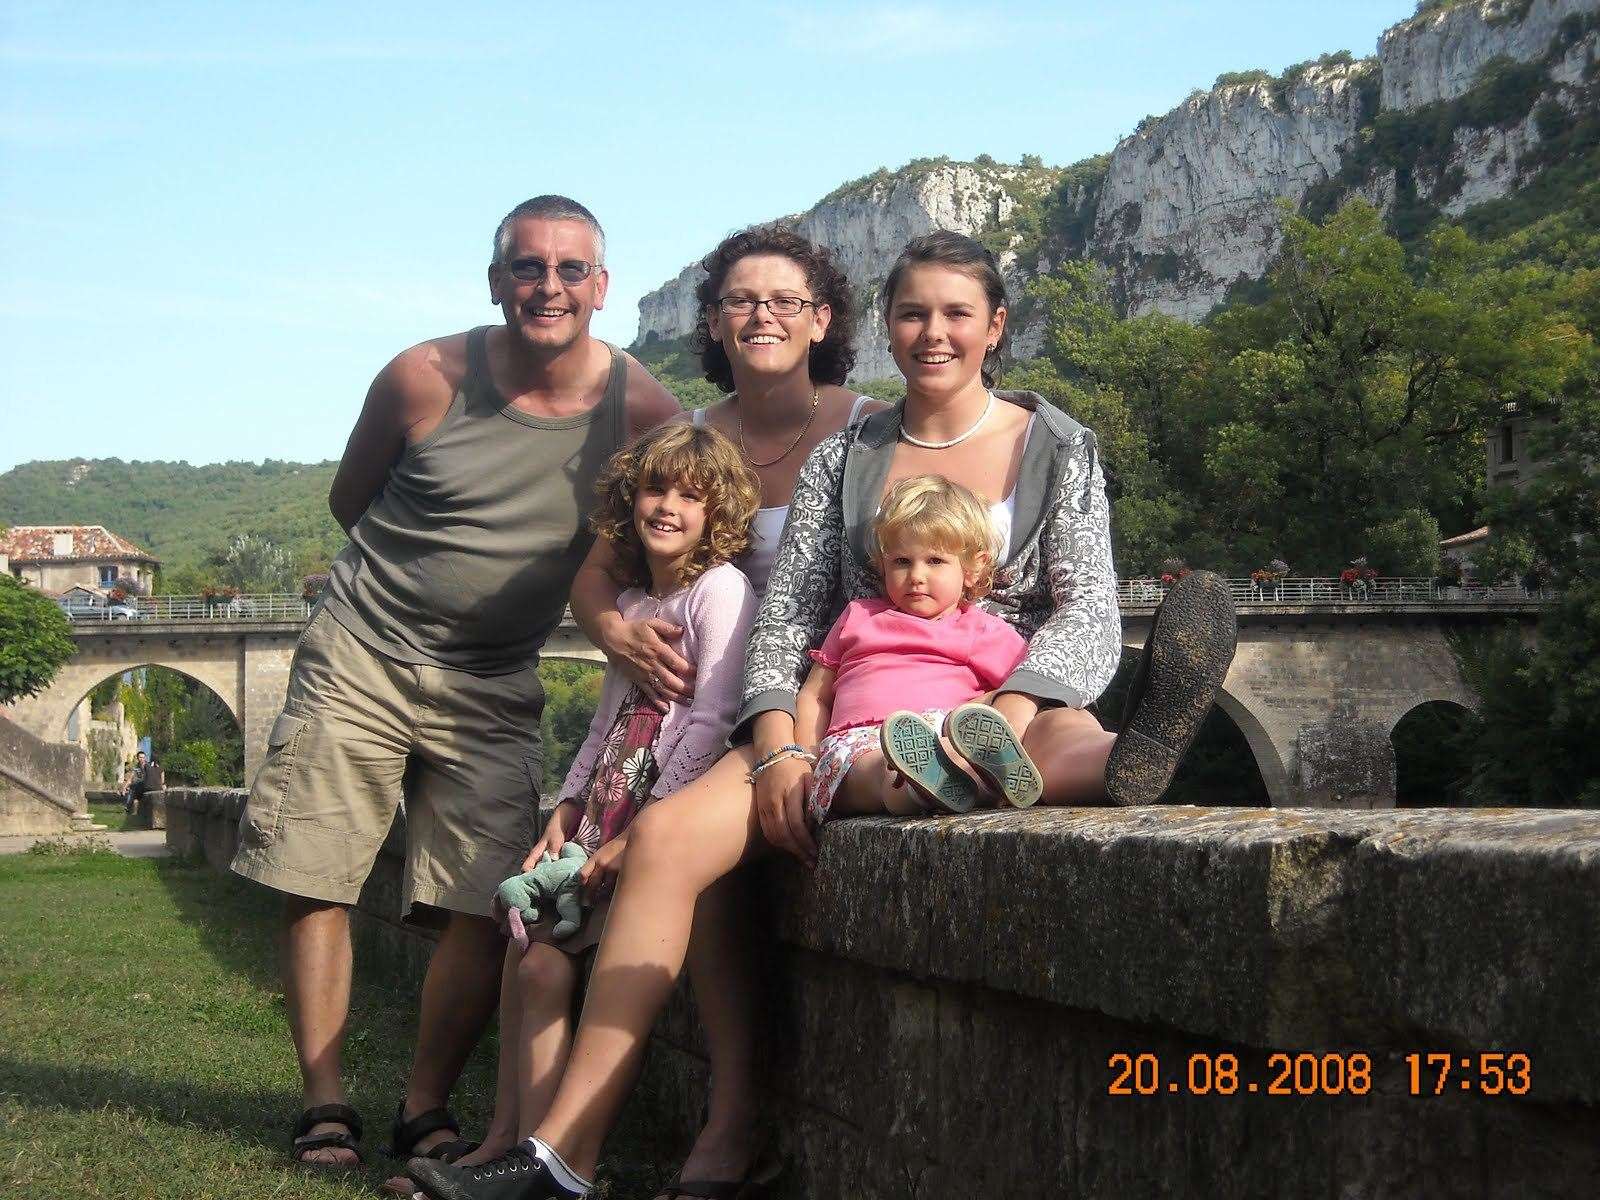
[[1185, 659], [516, 1176]]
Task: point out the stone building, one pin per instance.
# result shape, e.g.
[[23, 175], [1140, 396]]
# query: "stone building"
[[1508, 461], [56, 558]]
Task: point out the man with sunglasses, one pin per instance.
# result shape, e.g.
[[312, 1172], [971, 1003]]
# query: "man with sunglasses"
[[465, 487]]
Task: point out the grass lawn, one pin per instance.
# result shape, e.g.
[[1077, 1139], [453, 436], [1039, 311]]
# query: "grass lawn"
[[144, 1051], [111, 816]]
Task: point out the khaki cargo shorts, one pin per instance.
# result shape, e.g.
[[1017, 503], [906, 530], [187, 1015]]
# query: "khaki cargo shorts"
[[360, 730]]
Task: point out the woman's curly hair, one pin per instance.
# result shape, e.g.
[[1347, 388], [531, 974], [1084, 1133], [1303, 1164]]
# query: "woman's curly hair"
[[690, 456], [833, 356]]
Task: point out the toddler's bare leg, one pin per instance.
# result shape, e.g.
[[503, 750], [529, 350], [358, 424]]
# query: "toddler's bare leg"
[[870, 787]]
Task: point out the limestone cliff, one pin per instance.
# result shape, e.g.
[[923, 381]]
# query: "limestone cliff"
[[1454, 110], [1438, 55], [1188, 204]]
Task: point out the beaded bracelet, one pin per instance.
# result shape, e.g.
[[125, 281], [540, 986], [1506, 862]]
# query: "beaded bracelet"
[[773, 757]]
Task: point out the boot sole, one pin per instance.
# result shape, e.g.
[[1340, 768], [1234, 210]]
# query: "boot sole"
[[987, 741], [1191, 647], [912, 747]]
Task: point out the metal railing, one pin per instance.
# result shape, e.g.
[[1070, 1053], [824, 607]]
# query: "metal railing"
[[1313, 590], [1309, 591], [265, 607]]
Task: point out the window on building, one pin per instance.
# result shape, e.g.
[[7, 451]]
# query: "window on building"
[[108, 574], [1507, 444]]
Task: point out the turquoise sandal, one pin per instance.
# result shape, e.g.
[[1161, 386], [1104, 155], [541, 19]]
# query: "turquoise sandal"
[[986, 740]]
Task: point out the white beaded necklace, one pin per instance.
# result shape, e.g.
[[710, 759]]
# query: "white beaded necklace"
[[916, 441]]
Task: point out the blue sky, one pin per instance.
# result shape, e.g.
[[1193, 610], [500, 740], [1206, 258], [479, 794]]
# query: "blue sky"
[[218, 221]]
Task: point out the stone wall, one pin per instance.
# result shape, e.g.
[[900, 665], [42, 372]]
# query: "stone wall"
[[946, 997], [41, 783]]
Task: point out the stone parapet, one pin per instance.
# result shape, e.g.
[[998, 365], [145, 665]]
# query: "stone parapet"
[[946, 997], [41, 784]]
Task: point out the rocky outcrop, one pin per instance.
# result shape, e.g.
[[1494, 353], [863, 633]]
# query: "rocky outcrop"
[[1437, 56], [1189, 202], [1187, 205]]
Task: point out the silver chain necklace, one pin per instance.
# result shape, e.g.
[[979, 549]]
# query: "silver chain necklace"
[[916, 441]]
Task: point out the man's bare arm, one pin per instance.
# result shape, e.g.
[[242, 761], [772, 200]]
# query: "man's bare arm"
[[408, 391]]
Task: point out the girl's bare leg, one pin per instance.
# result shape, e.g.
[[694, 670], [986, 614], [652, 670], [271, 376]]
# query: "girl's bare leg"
[[1070, 750], [502, 1132], [546, 979], [722, 973], [677, 848]]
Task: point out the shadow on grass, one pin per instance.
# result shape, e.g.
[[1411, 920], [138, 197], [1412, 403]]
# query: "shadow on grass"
[[238, 922], [240, 1112]]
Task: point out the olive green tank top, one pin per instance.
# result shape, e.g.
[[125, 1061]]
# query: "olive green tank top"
[[465, 558]]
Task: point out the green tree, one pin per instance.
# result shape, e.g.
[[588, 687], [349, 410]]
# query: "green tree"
[[193, 734], [693, 393], [35, 639], [571, 694], [1536, 738], [1157, 363], [1144, 511], [253, 563]]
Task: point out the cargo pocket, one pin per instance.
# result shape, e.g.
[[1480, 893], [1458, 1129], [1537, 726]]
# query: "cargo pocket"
[[263, 815]]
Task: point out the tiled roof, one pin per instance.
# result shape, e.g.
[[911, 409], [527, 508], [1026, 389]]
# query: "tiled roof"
[[37, 543], [1466, 539]]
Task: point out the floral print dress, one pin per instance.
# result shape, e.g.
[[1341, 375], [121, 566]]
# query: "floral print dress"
[[624, 773]]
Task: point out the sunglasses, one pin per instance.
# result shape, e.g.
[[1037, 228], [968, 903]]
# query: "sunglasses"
[[534, 270]]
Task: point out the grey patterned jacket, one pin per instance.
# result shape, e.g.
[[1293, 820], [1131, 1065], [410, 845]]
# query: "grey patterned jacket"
[[1057, 587]]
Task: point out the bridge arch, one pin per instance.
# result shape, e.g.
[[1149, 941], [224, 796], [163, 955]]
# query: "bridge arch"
[[1236, 706], [1429, 770], [230, 700], [1269, 760], [1456, 698], [47, 715]]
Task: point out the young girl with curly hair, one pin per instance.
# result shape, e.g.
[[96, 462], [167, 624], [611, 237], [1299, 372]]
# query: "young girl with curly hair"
[[674, 508], [934, 548]]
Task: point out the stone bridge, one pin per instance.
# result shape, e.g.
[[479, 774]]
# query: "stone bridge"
[[1317, 687]]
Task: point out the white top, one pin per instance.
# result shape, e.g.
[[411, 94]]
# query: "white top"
[[756, 562], [1003, 514]]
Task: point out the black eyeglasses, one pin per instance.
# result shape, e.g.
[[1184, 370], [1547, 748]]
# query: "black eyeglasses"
[[533, 270], [778, 306]]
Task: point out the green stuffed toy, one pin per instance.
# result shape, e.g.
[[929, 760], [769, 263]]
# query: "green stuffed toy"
[[522, 899]]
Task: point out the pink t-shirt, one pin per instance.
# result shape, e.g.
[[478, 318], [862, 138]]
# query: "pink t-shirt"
[[888, 660]]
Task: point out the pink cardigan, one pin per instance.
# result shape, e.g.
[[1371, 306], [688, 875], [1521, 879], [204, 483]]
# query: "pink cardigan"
[[716, 612]]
